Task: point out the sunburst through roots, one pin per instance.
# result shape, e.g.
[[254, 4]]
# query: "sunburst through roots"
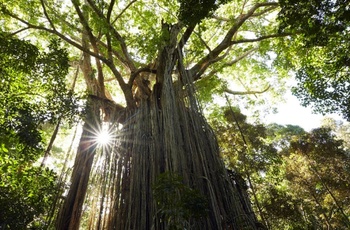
[[105, 136]]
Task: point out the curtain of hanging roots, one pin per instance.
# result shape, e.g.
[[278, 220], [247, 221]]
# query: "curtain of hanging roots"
[[166, 134]]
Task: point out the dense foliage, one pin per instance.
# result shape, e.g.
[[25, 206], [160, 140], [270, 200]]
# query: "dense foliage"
[[193, 11], [319, 22], [323, 43], [297, 179], [32, 93]]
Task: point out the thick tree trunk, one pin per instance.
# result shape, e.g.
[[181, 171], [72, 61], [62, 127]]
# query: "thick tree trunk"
[[166, 133]]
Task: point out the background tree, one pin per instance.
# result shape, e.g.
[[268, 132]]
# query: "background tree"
[[323, 174], [255, 152], [32, 93], [311, 163], [297, 179], [322, 66], [245, 151], [340, 128]]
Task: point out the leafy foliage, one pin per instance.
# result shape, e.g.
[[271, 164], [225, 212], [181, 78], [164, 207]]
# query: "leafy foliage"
[[323, 28], [325, 85], [193, 11], [28, 74], [33, 92], [26, 192], [319, 164], [243, 144], [178, 203], [297, 179], [340, 129], [314, 176], [318, 21]]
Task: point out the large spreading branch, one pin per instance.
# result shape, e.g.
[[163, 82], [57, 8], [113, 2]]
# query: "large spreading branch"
[[234, 61], [128, 60], [55, 32], [93, 42], [278, 35], [85, 49], [109, 62], [125, 58], [197, 70]]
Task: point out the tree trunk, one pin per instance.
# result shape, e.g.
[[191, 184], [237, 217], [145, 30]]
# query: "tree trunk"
[[336, 202], [166, 133], [326, 218], [171, 137], [70, 214]]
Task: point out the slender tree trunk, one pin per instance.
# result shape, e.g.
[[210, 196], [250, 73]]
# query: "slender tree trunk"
[[329, 225], [257, 203], [245, 151], [70, 213], [346, 218], [52, 140]]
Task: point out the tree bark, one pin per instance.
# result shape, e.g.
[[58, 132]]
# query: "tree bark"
[[165, 133], [70, 214]]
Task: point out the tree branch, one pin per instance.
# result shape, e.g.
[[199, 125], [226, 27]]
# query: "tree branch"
[[221, 18], [112, 51], [121, 13], [47, 15], [186, 36], [125, 88], [246, 92], [242, 56], [268, 9], [204, 43], [204, 63], [93, 42], [110, 9], [18, 31], [261, 38], [113, 112], [62, 19], [57, 33], [128, 59], [144, 69]]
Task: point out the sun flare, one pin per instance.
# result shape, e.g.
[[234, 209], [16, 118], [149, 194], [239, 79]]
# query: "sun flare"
[[103, 137]]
